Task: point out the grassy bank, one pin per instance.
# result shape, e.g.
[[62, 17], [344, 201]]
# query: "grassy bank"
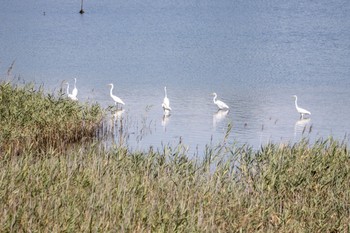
[[291, 189], [31, 119], [46, 188]]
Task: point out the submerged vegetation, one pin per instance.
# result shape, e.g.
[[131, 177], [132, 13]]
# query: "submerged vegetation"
[[45, 187]]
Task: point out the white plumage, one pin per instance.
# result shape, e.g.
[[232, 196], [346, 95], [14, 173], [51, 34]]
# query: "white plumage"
[[116, 99], [166, 102], [71, 96], [75, 90], [301, 111], [219, 103]]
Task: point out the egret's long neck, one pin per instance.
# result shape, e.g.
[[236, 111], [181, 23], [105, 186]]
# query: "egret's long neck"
[[214, 99], [75, 82], [67, 88], [110, 92], [296, 102], [165, 91]]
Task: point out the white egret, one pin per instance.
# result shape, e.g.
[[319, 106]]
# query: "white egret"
[[166, 102], [301, 111], [116, 99], [71, 96], [221, 105], [75, 90]]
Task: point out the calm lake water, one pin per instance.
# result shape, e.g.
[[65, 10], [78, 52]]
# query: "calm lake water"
[[254, 54]]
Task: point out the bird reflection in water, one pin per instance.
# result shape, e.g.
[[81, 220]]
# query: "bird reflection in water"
[[219, 116], [301, 126], [118, 115], [165, 119], [117, 126]]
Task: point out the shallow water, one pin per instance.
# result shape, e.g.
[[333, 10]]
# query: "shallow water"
[[254, 55]]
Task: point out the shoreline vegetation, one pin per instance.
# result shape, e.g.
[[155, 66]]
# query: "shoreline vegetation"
[[55, 176], [31, 119]]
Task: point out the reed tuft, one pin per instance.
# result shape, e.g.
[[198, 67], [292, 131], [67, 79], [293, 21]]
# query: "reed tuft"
[[30, 119]]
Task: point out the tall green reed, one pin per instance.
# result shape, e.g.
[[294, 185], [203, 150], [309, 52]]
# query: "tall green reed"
[[290, 188], [29, 118]]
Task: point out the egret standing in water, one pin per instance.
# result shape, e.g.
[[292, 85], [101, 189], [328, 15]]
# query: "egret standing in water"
[[301, 111], [75, 90], [166, 103], [221, 105], [72, 96], [116, 99]]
